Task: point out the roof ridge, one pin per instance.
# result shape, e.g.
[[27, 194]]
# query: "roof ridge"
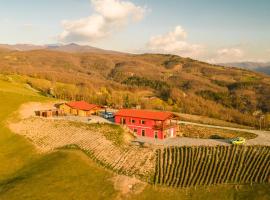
[[145, 114]]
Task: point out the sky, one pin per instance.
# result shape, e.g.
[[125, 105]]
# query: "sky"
[[210, 30]]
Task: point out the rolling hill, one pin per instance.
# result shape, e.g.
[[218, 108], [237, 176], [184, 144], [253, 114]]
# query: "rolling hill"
[[153, 81], [69, 48], [254, 66]]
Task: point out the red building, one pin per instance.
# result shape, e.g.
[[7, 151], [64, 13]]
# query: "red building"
[[147, 123]]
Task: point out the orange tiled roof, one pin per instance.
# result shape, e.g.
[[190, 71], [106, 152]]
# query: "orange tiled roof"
[[81, 105], [145, 114]]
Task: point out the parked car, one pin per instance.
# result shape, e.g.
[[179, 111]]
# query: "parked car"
[[238, 140], [107, 115]]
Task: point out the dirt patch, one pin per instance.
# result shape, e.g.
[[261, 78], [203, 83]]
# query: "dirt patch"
[[28, 110], [127, 186]]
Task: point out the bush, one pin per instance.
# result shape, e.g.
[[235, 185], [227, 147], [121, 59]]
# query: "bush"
[[216, 137]]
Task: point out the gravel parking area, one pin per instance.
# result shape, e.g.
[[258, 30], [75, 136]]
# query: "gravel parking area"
[[263, 138], [90, 120], [183, 141]]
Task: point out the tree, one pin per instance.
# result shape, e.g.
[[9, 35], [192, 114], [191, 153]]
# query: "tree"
[[126, 101]]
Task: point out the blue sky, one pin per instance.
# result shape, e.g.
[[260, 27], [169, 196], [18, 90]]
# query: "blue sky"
[[211, 30]]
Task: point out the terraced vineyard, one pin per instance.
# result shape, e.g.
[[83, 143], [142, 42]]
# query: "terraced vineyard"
[[172, 166], [192, 166], [48, 135]]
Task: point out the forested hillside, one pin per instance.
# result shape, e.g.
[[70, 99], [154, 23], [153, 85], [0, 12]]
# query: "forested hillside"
[[151, 80]]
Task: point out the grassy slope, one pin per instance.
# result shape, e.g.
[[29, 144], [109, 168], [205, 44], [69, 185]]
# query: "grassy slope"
[[194, 131], [63, 174], [207, 120], [15, 151], [24, 174]]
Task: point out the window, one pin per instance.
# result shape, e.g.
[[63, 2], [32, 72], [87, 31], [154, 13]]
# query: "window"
[[133, 121], [142, 122], [135, 130], [143, 132]]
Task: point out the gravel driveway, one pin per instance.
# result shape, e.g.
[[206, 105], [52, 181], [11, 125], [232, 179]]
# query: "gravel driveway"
[[90, 120], [262, 139]]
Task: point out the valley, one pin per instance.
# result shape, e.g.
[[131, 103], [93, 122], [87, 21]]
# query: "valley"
[[126, 80]]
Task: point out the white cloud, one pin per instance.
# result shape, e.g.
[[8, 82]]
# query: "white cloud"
[[109, 16], [230, 52], [228, 55], [174, 42], [118, 10]]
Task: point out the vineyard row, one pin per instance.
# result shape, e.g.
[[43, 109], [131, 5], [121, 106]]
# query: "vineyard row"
[[204, 165]]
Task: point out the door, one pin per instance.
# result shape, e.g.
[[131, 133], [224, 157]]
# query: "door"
[[156, 135], [123, 120], [171, 132]]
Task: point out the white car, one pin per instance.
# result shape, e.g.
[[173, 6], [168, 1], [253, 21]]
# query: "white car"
[[108, 115]]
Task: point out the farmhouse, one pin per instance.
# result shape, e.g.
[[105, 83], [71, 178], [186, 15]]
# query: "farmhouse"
[[153, 124], [79, 108]]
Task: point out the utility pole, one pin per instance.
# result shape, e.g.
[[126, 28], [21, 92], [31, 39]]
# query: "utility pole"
[[261, 119]]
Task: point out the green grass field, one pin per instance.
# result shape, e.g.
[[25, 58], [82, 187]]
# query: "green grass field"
[[24, 174], [70, 174]]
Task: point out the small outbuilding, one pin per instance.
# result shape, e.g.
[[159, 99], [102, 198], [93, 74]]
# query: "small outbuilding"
[[49, 113], [79, 108]]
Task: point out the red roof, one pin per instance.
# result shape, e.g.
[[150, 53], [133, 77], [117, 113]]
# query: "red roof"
[[81, 105], [145, 114]]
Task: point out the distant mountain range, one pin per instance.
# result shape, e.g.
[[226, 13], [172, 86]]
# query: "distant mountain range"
[[76, 48], [69, 48], [254, 66]]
